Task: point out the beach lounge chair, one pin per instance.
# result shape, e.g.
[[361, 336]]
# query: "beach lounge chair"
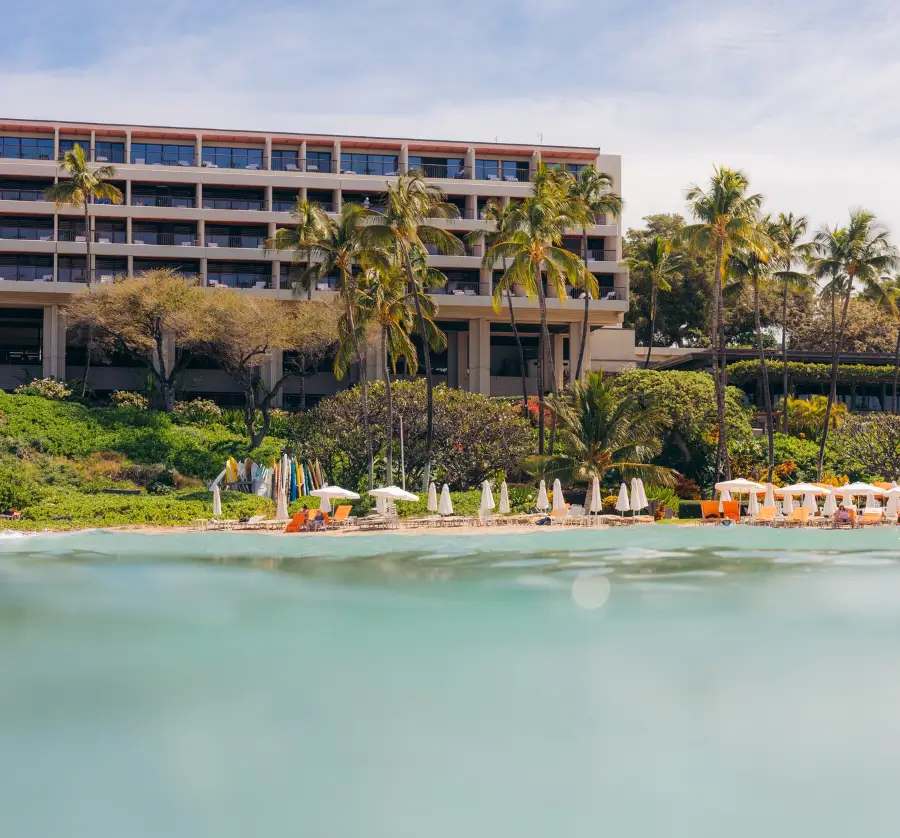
[[298, 522], [798, 517], [709, 510], [766, 517], [342, 517], [871, 519], [732, 509], [253, 523], [558, 516]]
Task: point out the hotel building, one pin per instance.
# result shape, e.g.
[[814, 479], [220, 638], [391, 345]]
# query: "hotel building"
[[202, 201]]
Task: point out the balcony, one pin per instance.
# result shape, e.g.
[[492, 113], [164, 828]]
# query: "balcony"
[[458, 288], [71, 275], [106, 276], [608, 293], [444, 171], [283, 206], [110, 237], [242, 204], [502, 170], [72, 236], [239, 280], [43, 234], [20, 357], [26, 273], [164, 239], [22, 195], [228, 240], [232, 158], [177, 201]]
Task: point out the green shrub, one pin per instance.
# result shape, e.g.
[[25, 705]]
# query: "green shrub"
[[48, 388], [197, 412], [664, 495], [125, 398], [689, 509]]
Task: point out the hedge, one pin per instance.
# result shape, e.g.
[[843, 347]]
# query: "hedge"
[[689, 509], [746, 372]]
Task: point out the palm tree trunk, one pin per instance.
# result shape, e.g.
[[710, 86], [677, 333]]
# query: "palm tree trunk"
[[784, 361], [363, 383], [522, 369], [723, 375], [389, 401], [546, 357], [653, 292], [764, 374], [718, 332], [88, 278], [832, 392], [587, 303], [896, 373], [429, 382]]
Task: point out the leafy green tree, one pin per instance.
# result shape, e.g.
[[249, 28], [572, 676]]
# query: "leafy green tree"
[[885, 294], [405, 230], [591, 189], [654, 258], [726, 218], [859, 252]]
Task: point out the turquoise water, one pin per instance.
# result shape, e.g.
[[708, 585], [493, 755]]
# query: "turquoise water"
[[644, 681]]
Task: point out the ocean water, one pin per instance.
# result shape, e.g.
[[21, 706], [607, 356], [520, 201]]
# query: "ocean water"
[[641, 681]]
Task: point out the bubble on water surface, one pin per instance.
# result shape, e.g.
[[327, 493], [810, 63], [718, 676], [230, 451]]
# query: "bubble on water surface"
[[590, 590]]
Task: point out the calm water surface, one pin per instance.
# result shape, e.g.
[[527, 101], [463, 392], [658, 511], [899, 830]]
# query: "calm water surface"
[[633, 682]]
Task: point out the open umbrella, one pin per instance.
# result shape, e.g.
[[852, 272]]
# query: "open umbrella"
[[217, 500], [596, 500], [559, 502], [432, 498], [504, 499], [393, 493], [445, 507], [543, 503], [329, 493], [622, 502], [487, 500]]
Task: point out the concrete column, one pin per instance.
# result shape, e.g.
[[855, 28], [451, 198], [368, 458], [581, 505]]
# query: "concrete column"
[[128, 150], [558, 340], [301, 163], [534, 163], [198, 149], [462, 360], [470, 163], [56, 143], [56, 267], [93, 143], [50, 343], [128, 193], [199, 197], [268, 198], [484, 282], [130, 265], [336, 156], [128, 229], [204, 270], [303, 192], [403, 161], [276, 274], [337, 200], [267, 163], [480, 356], [60, 345], [575, 331], [471, 206]]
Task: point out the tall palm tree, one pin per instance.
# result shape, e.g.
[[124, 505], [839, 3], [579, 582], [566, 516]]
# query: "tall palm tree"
[[756, 268], [535, 249], [726, 220], [84, 185], [655, 258], [885, 294], [331, 247], [859, 252], [506, 221], [599, 431], [403, 229], [789, 253], [591, 189]]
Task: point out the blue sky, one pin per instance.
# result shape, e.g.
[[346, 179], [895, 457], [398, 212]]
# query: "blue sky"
[[800, 94]]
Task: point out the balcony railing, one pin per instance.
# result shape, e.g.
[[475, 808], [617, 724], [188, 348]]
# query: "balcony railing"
[[459, 288], [507, 176], [72, 236], [26, 273], [606, 293], [228, 280], [43, 234], [225, 240], [17, 357], [110, 237], [22, 195], [165, 239], [71, 275], [234, 204], [442, 170], [162, 161], [106, 276], [176, 201], [113, 156], [283, 206]]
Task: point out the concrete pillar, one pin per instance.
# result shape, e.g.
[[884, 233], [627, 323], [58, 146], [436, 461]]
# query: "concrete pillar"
[[470, 163], [60, 345], [575, 331], [267, 154], [336, 200], [128, 194], [462, 360], [534, 162], [201, 233], [471, 206], [301, 163], [50, 343], [130, 265], [268, 198], [198, 200], [55, 267], [198, 149], [276, 274], [204, 270], [128, 151], [484, 282], [336, 156], [93, 143], [128, 229], [303, 193], [558, 347], [403, 161], [480, 356], [276, 370], [56, 143]]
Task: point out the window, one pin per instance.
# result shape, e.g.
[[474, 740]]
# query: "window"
[[162, 155], [107, 152], [369, 164], [438, 166], [26, 148], [575, 169], [233, 158], [515, 170], [285, 161], [26, 268], [487, 170], [501, 170], [318, 161]]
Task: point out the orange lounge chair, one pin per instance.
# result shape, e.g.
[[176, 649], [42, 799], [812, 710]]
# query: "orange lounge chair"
[[709, 510], [766, 516], [798, 517], [298, 522], [871, 519], [732, 509], [341, 515]]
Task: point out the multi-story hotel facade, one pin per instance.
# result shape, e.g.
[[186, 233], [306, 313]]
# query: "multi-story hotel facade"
[[203, 201]]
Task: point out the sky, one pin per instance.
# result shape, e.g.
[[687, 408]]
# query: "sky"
[[801, 95]]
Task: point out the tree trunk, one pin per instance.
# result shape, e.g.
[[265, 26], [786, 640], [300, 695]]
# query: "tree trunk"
[[653, 292], [522, 367], [722, 464], [784, 361], [587, 303], [896, 373], [88, 278], [363, 382], [723, 372], [764, 373], [389, 401], [546, 354], [429, 382], [835, 357]]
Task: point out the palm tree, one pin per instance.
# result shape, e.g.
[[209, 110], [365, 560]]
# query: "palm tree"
[[786, 231], [506, 222], [404, 230], [756, 268], [862, 252], [726, 220], [334, 247], [655, 258], [534, 249], [84, 185], [600, 431], [591, 189]]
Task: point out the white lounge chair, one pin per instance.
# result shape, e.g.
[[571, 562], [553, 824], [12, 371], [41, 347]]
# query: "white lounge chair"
[[290, 167]]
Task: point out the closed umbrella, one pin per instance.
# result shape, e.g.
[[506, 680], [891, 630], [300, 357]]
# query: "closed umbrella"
[[559, 502], [217, 500], [432, 498], [644, 502], [753, 504], [871, 503], [622, 502], [543, 503], [637, 500], [830, 506], [281, 510], [787, 505], [487, 500], [596, 500], [769, 499], [892, 507], [504, 499], [809, 502], [445, 507]]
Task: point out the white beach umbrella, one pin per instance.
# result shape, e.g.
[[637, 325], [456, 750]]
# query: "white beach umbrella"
[[543, 502], [871, 503], [432, 498], [809, 502], [334, 493], [559, 502], [753, 504], [638, 501], [787, 505], [596, 500], [622, 502], [769, 499], [504, 499], [740, 486], [393, 493], [445, 507], [487, 500], [644, 502], [725, 494], [281, 507], [217, 500], [892, 508], [830, 506], [381, 504]]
